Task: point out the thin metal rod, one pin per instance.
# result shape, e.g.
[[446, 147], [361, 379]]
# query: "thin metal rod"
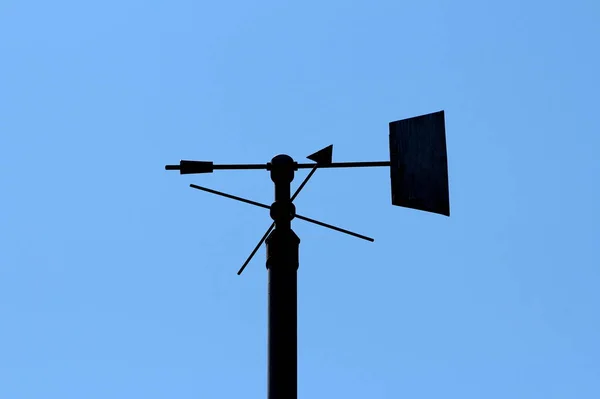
[[329, 226], [256, 249], [241, 166], [304, 183], [345, 165], [298, 166], [305, 218], [234, 197]]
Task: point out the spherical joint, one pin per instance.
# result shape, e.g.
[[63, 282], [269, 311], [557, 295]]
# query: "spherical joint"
[[282, 211], [282, 169]]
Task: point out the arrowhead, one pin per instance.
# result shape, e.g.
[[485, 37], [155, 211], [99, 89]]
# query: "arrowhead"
[[322, 157]]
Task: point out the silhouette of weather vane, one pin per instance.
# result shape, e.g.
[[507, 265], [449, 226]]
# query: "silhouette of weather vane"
[[419, 180]]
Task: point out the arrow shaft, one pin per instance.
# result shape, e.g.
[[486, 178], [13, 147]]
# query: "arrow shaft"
[[345, 165], [308, 165], [240, 166], [298, 166]]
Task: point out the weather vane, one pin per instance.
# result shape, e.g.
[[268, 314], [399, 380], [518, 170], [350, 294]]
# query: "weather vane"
[[419, 180]]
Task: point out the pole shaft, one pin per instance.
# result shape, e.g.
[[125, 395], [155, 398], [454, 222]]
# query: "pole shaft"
[[282, 265]]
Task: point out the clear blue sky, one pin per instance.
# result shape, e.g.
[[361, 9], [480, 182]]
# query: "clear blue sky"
[[118, 281]]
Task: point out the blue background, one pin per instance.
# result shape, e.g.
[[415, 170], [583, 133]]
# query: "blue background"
[[118, 280]]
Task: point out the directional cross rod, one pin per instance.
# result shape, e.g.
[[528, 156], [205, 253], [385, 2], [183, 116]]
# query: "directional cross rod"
[[265, 206]]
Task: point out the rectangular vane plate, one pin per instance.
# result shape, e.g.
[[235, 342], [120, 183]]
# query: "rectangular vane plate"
[[419, 164]]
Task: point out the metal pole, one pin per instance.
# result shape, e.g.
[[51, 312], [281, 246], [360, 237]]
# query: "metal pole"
[[282, 266]]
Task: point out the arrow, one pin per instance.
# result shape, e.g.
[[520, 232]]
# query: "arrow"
[[322, 157]]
